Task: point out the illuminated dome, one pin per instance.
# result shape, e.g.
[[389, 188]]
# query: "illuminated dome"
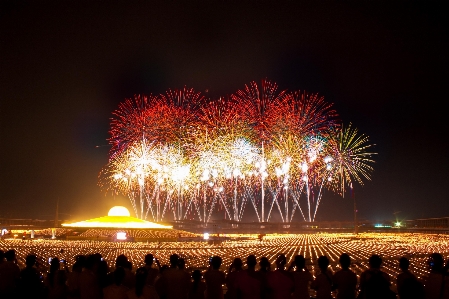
[[118, 217], [119, 211]]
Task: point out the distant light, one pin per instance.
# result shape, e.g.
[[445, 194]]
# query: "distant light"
[[398, 224], [206, 236], [121, 236], [381, 225]]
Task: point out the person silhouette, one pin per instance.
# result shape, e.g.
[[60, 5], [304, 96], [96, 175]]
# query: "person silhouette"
[[173, 282], [248, 285], [89, 283], [73, 277], [215, 279], [56, 281], [263, 272], [153, 273], [233, 275], [375, 283], [302, 278], [116, 290], [323, 281], [140, 289], [436, 284], [280, 282], [407, 284], [344, 280], [197, 286], [9, 275], [31, 279]]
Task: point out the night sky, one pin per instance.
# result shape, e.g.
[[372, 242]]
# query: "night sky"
[[66, 65]]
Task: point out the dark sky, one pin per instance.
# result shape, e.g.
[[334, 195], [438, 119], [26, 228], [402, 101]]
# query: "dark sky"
[[65, 66]]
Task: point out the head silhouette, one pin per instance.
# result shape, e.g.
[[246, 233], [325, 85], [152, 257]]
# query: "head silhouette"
[[149, 259], [323, 263], [251, 261], [264, 264], [404, 263], [216, 262], [300, 262], [121, 261], [281, 261], [375, 261], [238, 263], [436, 262], [90, 262], [174, 260], [10, 255], [181, 263], [344, 260], [30, 260], [54, 264]]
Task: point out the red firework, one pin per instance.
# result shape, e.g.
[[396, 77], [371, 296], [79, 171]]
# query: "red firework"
[[260, 108]]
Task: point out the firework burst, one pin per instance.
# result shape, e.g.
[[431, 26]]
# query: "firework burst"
[[184, 155]]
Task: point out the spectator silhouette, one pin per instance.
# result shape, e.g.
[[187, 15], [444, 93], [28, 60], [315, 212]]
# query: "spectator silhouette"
[[437, 282], [152, 272], [302, 278], [197, 286], [215, 279], [247, 283], [181, 264], [116, 290], [141, 290], [374, 283], [344, 280], [158, 283], [31, 279], [9, 275], [231, 279], [73, 278], [280, 283], [323, 281], [89, 283], [104, 277], [264, 264], [264, 270], [173, 283], [122, 261], [55, 281], [407, 284], [182, 267]]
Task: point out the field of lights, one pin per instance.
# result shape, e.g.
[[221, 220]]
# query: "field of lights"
[[391, 246]]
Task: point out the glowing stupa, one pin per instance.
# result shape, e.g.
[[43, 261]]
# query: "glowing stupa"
[[118, 217]]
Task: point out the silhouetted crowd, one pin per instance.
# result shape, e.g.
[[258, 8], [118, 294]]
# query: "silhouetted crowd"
[[91, 278]]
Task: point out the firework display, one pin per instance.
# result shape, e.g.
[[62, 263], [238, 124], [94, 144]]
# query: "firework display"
[[181, 155]]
